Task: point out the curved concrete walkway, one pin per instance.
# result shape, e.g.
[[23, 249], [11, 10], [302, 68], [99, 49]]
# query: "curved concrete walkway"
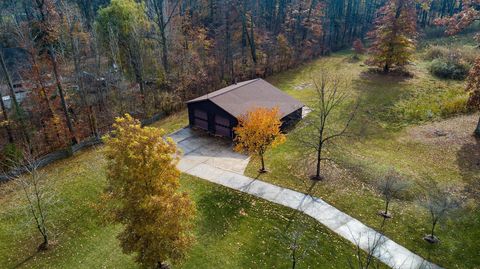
[[208, 158]]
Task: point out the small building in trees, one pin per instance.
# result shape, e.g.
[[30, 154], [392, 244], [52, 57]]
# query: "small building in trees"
[[218, 112], [18, 63]]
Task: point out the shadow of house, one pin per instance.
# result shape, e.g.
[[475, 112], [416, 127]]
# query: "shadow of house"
[[468, 160]]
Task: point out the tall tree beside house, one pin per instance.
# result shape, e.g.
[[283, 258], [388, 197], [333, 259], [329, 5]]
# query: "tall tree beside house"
[[45, 27], [394, 35], [78, 39], [473, 87], [161, 12], [40, 112], [142, 194], [257, 131], [126, 21]]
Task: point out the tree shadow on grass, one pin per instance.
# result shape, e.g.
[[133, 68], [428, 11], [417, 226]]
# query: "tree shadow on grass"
[[468, 160], [24, 261], [221, 211]]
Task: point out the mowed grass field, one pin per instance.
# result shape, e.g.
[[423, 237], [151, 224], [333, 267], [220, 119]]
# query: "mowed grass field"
[[233, 230], [394, 128]]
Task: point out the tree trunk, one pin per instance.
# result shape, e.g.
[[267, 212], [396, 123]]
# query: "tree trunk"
[[159, 5], [81, 86], [263, 163], [477, 130], [294, 258], [433, 229], [386, 68], [164, 52], [251, 41], [9, 82], [62, 95], [14, 100], [7, 124], [319, 157], [44, 245], [137, 65], [386, 207]]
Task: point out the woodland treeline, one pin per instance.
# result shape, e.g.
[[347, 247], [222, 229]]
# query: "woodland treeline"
[[81, 63]]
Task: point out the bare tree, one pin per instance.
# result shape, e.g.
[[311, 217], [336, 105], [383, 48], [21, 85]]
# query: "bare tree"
[[136, 53], [370, 252], [367, 247], [319, 128], [391, 185], [440, 203], [74, 30], [46, 28], [37, 193], [298, 245], [161, 13], [365, 259]]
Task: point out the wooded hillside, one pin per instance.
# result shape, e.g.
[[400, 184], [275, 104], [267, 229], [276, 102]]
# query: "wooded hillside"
[[69, 67]]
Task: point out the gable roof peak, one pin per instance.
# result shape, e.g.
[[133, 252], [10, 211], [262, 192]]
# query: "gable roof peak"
[[237, 99]]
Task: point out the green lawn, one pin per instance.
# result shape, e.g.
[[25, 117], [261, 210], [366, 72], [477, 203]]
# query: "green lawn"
[[173, 122], [233, 230], [386, 134]]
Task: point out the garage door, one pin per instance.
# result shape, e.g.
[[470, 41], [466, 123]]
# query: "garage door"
[[200, 119], [222, 126]]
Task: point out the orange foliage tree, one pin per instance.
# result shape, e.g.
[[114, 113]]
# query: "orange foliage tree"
[[393, 37], [142, 194], [257, 131], [469, 14], [358, 46], [473, 87], [459, 21]]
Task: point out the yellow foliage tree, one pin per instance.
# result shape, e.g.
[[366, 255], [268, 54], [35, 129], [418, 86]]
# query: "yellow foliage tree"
[[257, 131], [142, 194]]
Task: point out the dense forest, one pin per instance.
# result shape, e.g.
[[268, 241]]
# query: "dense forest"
[[69, 67]]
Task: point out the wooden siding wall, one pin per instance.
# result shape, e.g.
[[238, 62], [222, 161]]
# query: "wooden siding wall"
[[291, 119], [212, 109]]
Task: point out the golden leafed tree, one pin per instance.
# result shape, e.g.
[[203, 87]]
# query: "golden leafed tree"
[[142, 194], [257, 131]]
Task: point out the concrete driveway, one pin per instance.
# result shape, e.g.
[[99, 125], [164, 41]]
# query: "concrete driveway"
[[213, 159], [200, 148]]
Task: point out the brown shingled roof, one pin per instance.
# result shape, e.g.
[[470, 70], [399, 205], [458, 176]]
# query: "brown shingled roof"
[[239, 98]]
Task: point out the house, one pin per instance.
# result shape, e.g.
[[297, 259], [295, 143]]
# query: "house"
[[18, 63], [218, 112], [20, 96]]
